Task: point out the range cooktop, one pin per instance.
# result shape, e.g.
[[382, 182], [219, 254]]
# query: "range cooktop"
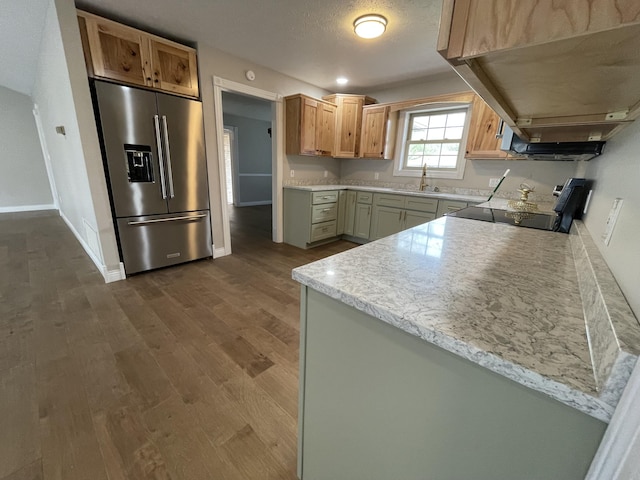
[[540, 221]]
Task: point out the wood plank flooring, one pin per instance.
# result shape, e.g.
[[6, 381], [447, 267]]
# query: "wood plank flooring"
[[182, 373]]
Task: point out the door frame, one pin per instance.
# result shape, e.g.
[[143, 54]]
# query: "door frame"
[[277, 153], [234, 163]]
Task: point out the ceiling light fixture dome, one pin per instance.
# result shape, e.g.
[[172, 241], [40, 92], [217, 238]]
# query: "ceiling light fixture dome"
[[370, 25], [342, 80]]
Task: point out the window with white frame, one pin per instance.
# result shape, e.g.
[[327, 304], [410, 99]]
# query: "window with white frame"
[[435, 138]]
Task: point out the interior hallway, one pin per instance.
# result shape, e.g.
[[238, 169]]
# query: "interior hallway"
[[184, 373]]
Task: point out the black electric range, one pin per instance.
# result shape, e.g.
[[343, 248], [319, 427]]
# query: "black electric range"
[[540, 221]]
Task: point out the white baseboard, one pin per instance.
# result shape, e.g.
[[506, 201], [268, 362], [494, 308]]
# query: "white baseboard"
[[220, 252], [253, 204], [114, 275], [27, 208], [109, 276]]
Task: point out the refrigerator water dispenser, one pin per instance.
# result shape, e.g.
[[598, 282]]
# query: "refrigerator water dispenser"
[[139, 163]]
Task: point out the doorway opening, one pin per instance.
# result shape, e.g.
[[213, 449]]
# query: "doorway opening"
[[251, 153], [249, 165]]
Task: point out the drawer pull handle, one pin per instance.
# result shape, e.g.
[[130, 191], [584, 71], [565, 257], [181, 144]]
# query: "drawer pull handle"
[[170, 219], [326, 209]]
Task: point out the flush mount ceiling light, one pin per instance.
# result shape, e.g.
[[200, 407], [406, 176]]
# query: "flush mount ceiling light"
[[370, 26], [342, 81]]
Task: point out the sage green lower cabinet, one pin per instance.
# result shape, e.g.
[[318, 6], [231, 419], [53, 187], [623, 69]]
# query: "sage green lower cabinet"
[[362, 224], [350, 212], [342, 208], [386, 221], [448, 206], [310, 218], [377, 404], [394, 213], [413, 218]]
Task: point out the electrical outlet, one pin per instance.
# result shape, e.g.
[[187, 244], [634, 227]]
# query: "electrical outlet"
[[611, 220], [493, 182], [292, 173], [326, 173], [376, 176]]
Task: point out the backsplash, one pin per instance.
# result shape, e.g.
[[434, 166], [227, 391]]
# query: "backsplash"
[[412, 187]]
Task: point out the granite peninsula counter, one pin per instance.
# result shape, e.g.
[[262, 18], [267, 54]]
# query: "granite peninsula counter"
[[506, 299]]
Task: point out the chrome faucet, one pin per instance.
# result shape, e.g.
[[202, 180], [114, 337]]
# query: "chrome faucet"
[[423, 179]]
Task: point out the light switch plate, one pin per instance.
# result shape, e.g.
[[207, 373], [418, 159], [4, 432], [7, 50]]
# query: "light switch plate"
[[493, 182], [292, 173], [611, 220]]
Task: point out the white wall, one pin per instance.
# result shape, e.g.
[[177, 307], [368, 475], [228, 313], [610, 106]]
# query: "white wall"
[[213, 62], [617, 175], [252, 173], [24, 184], [62, 95]]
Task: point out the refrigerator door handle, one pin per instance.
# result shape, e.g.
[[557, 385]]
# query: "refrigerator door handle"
[[170, 219], [168, 154], [156, 121]]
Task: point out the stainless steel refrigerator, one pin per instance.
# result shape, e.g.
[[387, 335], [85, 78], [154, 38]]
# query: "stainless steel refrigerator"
[[153, 149]]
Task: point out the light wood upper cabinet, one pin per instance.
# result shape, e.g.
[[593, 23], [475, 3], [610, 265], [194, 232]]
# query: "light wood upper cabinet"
[[485, 133], [118, 52], [348, 123], [310, 126], [374, 131], [554, 71], [174, 67]]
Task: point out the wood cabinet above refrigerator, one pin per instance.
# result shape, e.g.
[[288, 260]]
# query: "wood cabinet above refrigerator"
[[553, 71], [117, 52]]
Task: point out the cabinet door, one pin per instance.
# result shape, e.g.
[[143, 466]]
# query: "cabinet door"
[[485, 135], [350, 213], [308, 119], [374, 130], [362, 224], [174, 67], [325, 129], [413, 219], [348, 125], [386, 221], [118, 52], [342, 208], [447, 206]]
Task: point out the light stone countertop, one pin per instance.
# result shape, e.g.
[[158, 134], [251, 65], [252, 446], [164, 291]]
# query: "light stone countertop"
[[396, 191], [503, 297]]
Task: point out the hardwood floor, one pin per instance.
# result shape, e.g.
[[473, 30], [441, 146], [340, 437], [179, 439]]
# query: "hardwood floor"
[[182, 373]]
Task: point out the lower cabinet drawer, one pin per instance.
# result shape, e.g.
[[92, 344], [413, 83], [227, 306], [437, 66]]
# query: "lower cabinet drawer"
[[389, 200], [447, 206], [364, 197], [320, 231], [329, 196], [422, 204], [324, 212]]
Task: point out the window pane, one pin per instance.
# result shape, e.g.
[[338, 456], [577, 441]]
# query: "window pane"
[[432, 148], [456, 119], [447, 161], [438, 121], [415, 161], [431, 161], [418, 134], [450, 148], [453, 133], [416, 149], [435, 134], [421, 121]]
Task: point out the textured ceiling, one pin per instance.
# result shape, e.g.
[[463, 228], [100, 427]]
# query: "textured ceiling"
[[311, 40], [21, 24]]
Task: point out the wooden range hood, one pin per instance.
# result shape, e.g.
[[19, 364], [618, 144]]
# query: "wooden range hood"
[[554, 71]]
